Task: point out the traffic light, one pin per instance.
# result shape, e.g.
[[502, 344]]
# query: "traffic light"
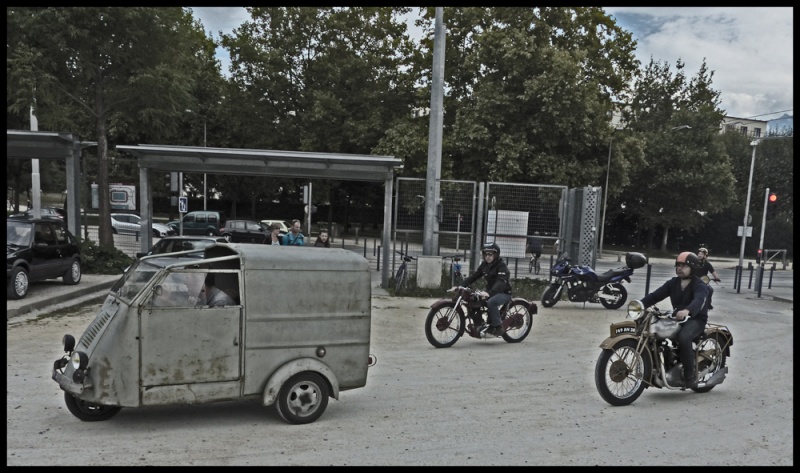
[[772, 201], [758, 256]]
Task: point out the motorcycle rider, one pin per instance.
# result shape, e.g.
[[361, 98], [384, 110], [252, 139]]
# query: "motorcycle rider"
[[705, 265], [498, 287], [689, 297]]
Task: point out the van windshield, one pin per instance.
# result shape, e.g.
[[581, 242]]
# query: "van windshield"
[[140, 274]]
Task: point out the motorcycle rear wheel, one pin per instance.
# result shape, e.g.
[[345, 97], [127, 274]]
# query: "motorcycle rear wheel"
[[517, 332], [710, 359], [551, 295], [444, 325], [620, 373], [620, 294]]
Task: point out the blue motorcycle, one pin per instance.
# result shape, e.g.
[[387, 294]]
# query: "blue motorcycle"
[[585, 285]]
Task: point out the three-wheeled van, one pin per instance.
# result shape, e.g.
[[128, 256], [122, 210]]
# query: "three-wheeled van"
[[295, 331]]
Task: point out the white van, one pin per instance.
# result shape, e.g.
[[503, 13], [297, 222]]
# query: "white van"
[[297, 333]]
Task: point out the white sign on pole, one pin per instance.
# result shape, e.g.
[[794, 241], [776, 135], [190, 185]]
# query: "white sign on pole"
[[508, 222], [183, 204], [749, 231]]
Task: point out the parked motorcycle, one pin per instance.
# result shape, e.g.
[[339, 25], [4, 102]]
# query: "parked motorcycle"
[[447, 319], [584, 285], [643, 352]]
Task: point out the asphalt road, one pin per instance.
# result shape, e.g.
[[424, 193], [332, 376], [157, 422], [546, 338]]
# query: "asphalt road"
[[480, 402]]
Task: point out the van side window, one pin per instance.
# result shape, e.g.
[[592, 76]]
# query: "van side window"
[[212, 219], [201, 218], [189, 218], [179, 290]]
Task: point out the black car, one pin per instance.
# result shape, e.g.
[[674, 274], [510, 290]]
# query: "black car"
[[244, 231], [46, 212], [39, 249], [173, 244]]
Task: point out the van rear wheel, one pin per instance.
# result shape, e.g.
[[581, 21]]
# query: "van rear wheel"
[[87, 411], [303, 398]]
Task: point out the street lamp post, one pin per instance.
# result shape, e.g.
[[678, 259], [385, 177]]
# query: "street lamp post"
[[605, 199], [204, 174], [753, 143]]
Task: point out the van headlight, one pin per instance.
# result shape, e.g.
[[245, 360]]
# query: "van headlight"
[[79, 360]]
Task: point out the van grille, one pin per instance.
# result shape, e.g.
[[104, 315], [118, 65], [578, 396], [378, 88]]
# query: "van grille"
[[95, 328]]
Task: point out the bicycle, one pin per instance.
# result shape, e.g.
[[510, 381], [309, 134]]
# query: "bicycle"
[[455, 270], [534, 266], [401, 277]]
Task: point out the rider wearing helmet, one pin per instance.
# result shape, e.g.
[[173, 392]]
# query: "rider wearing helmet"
[[689, 296], [498, 288], [705, 266]]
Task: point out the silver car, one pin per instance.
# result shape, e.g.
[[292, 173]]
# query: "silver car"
[[131, 224]]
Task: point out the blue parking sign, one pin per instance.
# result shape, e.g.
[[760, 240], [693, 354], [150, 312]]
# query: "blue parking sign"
[[183, 204]]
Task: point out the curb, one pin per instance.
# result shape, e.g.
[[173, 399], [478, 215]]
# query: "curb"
[[50, 304]]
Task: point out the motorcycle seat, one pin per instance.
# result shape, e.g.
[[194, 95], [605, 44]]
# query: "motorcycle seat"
[[612, 273]]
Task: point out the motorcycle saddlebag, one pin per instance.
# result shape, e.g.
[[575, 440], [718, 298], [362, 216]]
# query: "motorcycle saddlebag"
[[635, 260]]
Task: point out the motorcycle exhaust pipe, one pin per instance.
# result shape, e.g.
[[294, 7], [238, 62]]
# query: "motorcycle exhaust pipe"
[[718, 377]]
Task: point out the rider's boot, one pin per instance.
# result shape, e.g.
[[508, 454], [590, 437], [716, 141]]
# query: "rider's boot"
[[690, 377]]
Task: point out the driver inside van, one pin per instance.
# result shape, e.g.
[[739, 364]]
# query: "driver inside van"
[[211, 295]]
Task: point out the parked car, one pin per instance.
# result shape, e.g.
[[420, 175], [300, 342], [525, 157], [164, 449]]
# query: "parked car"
[[200, 222], [244, 231], [131, 224], [39, 249], [173, 244], [46, 212], [285, 224]]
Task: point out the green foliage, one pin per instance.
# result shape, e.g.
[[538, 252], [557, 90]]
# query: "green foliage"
[[103, 259]]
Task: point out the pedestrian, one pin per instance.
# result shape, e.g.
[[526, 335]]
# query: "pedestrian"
[[294, 237], [322, 240], [274, 235]]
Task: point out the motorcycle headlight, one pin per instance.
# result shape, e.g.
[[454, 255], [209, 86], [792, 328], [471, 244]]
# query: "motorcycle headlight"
[[635, 309], [79, 360]]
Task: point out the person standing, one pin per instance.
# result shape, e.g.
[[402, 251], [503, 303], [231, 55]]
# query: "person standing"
[[498, 287], [689, 296], [274, 235], [294, 237], [322, 240]]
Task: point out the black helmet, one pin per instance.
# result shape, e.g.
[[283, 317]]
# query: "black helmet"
[[688, 258], [491, 247]]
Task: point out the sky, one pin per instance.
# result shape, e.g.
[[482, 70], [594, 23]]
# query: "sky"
[[750, 50]]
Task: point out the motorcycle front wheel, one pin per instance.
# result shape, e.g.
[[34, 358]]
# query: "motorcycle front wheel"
[[619, 294], [551, 295], [444, 325], [711, 358], [522, 322], [620, 372]]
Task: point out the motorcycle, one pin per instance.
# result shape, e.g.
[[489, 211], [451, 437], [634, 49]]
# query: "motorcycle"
[[643, 352], [447, 319], [585, 285]]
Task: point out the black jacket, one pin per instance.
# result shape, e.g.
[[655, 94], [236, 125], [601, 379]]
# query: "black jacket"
[[695, 297], [496, 276]]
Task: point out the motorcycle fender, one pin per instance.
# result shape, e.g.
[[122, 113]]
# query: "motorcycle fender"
[[532, 307], [722, 332], [620, 331], [440, 303], [627, 279]]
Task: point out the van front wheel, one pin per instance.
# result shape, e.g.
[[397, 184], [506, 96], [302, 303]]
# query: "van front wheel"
[[87, 411], [303, 398]]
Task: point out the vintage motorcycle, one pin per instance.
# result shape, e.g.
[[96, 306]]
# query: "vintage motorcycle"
[[447, 319], [585, 285], [643, 352]]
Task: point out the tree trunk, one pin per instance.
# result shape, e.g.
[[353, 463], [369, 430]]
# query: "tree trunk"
[[664, 240]]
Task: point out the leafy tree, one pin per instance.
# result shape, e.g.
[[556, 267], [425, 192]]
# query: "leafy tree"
[[687, 174], [103, 72]]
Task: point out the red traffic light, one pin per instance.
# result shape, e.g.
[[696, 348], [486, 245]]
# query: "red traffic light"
[[773, 197]]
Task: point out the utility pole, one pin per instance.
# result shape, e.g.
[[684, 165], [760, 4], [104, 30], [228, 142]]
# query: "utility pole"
[[430, 241]]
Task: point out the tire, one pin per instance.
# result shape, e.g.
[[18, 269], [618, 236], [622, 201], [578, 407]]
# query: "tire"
[[620, 373], [620, 294], [444, 325], [538, 266], [211, 232], [551, 295], [711, 357], [519, 329], [89, 412], [530, 265], [303, 398], [73, 275], [18, 284]]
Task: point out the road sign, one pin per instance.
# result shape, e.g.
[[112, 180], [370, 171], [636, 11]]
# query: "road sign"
[[749, 231], [183, 204]]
